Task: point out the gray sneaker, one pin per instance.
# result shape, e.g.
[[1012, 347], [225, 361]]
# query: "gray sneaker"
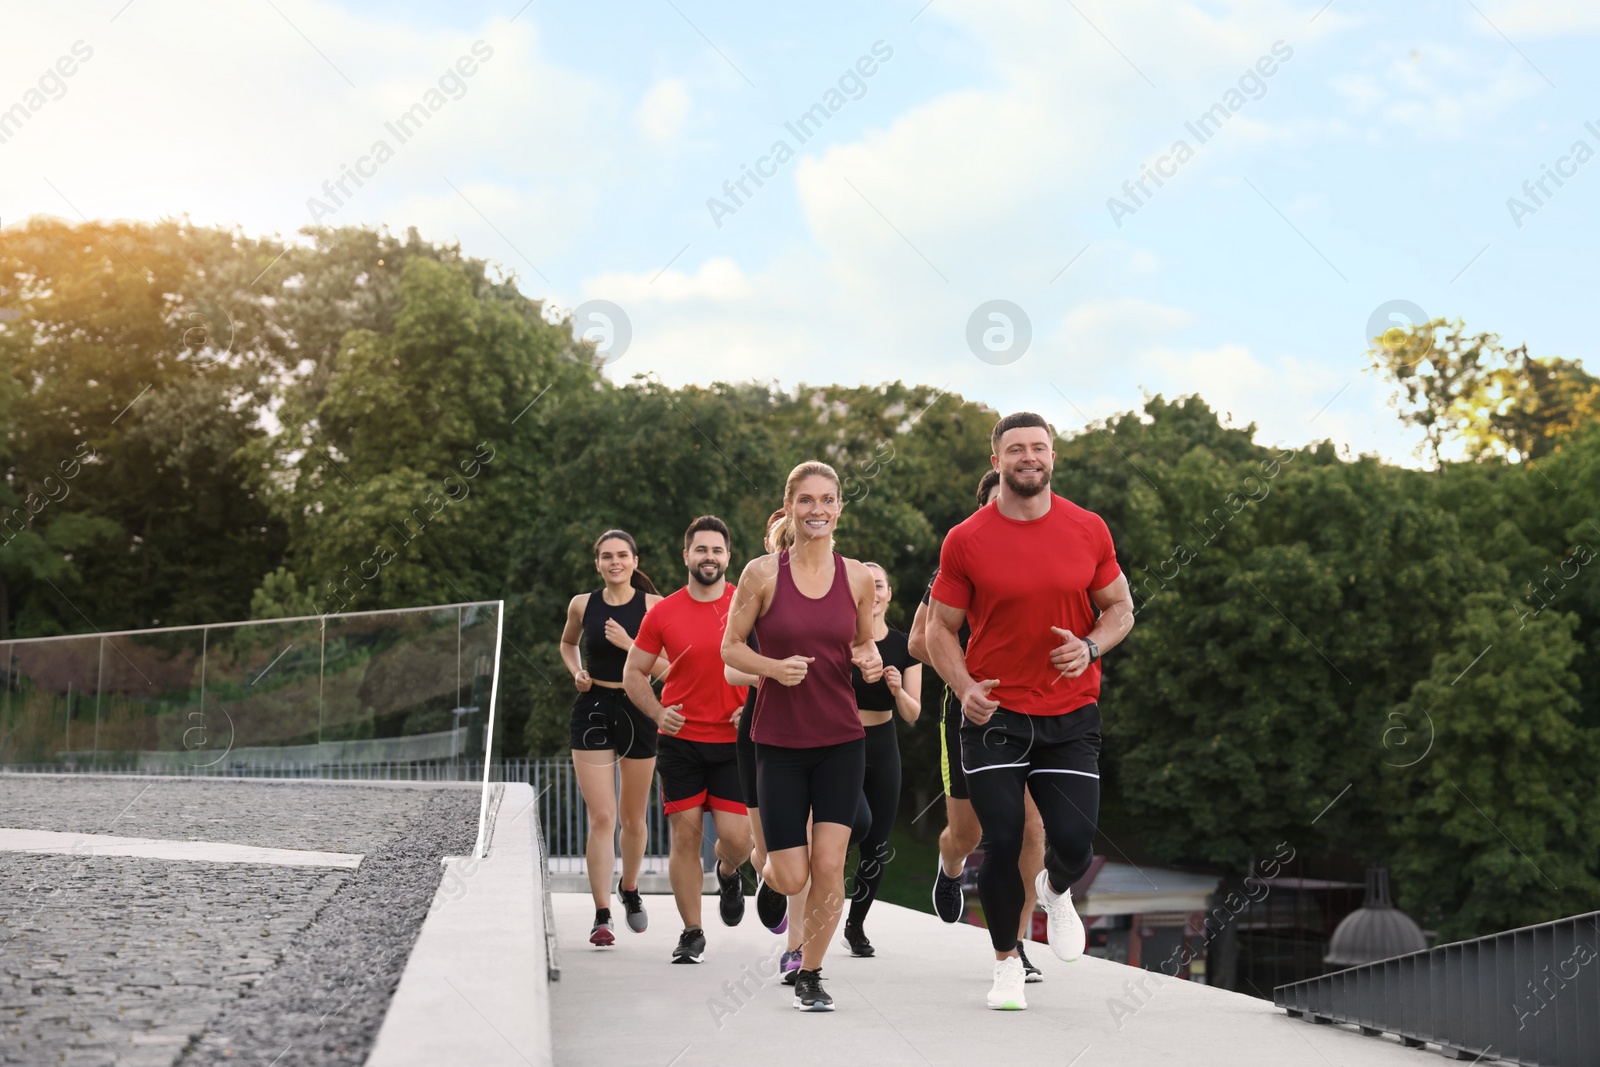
[[633, 904]]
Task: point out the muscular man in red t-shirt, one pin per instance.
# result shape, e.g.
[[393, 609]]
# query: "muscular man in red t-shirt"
[[1028, 574], [696, 753]]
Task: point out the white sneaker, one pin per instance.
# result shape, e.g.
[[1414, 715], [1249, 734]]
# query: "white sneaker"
[[1066, 929], [1007, 992]]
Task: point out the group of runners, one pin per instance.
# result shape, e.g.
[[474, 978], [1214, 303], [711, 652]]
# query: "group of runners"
[[777, 704]]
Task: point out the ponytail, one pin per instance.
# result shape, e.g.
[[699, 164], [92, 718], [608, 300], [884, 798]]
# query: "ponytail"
[[641, 580], [782, 534]]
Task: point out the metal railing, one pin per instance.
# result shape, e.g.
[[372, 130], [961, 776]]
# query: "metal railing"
[[463, 770], [564, 818], [1528, 996]]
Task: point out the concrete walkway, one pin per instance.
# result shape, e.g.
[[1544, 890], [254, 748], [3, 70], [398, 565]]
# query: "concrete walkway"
[[920, 1001]]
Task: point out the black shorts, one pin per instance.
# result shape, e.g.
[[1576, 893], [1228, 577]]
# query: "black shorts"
[[823, 784], [605, 718], [950, 720], [1042, 744], [747, 753], [698, 774]]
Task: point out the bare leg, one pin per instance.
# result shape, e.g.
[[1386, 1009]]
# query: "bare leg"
[[636, 777], [1031, 863], [598, 786], [733, 840], [829, 844], [683, 864], [960, 835], [797, 918]]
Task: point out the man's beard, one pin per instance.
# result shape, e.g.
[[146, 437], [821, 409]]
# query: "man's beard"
[[700, 577], [1026, 491]]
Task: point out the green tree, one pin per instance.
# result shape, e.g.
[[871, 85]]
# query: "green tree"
[[1500, 823]]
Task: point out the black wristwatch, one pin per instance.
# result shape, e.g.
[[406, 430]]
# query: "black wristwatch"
[[1094, 650]]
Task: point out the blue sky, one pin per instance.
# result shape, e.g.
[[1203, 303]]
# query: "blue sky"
[[974, 164]]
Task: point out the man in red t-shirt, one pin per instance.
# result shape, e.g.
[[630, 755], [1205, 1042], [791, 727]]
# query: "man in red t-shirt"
[[1036, 578], [696, 754]]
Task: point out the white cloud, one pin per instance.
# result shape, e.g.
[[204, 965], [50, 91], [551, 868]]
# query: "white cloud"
[[1538, 18], [661, 114], [718, 280]]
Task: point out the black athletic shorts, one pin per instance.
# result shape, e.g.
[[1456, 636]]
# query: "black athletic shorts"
[[823, 784], [605, 718], [698, 774], [1044, 744], [950, 720]]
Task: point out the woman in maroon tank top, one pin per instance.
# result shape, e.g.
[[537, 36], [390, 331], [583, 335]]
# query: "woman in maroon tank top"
[[811, 612]]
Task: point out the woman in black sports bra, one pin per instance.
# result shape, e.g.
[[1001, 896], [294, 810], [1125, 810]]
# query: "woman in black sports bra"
[[607, 729]]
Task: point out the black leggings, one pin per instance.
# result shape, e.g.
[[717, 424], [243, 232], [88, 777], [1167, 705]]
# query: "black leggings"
[[881, 792], [1056, 759]]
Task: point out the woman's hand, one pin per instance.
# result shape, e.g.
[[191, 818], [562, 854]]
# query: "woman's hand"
[[792, 671], [866, 658], [582, 681], [617, 635], [891, 676]]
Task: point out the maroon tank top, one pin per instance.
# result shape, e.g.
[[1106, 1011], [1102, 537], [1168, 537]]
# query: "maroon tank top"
[[821, 710]]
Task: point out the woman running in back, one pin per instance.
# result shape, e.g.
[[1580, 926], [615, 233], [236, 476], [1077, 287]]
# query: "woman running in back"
[[607, 729], [877, 702], [811, 610]]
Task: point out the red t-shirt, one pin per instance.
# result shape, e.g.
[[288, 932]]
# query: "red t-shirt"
[[1017, 579], [690, 631]]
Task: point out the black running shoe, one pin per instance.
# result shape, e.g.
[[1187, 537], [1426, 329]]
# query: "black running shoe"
[[856, 938], [772, 907], [691, 946], [808, 993], [949, 902], [633, 904], [789, 964], [732, 904], [1030, 973]]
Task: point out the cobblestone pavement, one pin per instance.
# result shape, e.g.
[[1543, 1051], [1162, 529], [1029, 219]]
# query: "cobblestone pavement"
[[151, 962], [313, 815]]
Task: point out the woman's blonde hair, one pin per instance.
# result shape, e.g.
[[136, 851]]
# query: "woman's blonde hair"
[[782, 532]]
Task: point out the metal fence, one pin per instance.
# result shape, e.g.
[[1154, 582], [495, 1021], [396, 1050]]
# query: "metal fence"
[[1529, 996], [464, 770], [565, 819]]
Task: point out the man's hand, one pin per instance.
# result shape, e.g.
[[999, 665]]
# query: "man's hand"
[[671, 720], [617, 635], [792, 671], [891, 677], [582, 681], [975, 702], [1071, 657], [866, 658]]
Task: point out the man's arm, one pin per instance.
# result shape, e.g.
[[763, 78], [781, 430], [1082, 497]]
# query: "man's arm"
[[916, 640], [944, 645], [636, 683], [1115, 602]]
